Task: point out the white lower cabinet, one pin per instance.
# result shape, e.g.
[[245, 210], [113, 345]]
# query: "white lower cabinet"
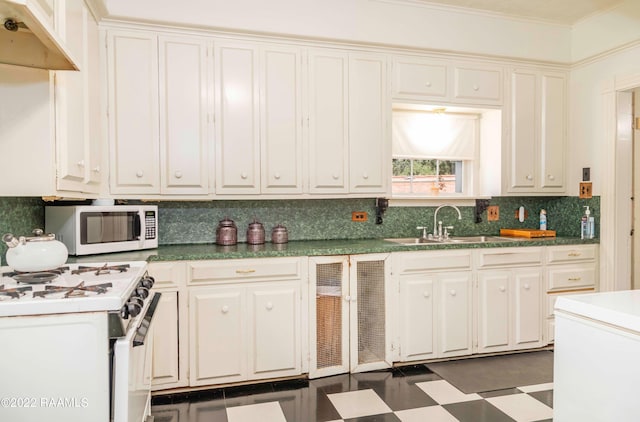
[[509, 309], [170, 327], [349, 314], [244, 329], [434, 306], [571, 269]]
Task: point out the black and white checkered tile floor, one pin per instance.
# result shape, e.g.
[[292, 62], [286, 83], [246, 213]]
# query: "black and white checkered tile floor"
[[407, 394]]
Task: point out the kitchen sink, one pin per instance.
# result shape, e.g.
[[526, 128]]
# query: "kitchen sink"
[[452, 240]]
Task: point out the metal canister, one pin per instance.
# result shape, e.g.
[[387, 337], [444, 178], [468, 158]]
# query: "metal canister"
[[279, 234], [255, 233], [226, 232]]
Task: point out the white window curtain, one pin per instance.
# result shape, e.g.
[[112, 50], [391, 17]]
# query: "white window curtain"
[[425, 135]]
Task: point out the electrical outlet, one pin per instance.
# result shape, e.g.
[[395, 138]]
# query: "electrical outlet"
[[359, 216], [585, 190], [493, 213], [586, 174]]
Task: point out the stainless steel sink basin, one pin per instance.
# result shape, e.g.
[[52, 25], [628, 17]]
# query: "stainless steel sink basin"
[[452, 240]]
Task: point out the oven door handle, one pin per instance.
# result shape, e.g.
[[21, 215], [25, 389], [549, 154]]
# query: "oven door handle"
[[145, 323]]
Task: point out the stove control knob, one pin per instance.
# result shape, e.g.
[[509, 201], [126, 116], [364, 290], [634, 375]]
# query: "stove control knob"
[[147, 281], [134, 308], [124, 312], [142, 291]]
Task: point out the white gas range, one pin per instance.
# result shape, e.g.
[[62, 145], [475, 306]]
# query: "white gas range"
[[75, 344]]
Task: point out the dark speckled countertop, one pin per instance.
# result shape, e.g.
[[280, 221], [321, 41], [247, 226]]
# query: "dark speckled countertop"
[[187, 252]]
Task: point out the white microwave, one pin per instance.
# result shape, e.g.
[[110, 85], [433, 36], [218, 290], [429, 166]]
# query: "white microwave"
[[89, 229]]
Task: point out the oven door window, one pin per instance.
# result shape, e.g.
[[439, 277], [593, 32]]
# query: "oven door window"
[[108, 227]]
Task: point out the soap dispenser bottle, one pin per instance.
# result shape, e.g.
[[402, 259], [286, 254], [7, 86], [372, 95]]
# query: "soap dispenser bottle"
[[587, 224], [543, 220]]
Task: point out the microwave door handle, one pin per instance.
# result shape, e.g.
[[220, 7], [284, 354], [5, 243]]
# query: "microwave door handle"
[[145, 324], [137, 226]]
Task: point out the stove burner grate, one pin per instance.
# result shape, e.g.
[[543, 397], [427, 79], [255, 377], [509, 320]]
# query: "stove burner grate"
[[14, 293], [105, 269], [36, 277], [73, 291]]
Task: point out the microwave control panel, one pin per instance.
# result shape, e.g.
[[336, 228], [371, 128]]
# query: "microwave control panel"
[[150, 224]]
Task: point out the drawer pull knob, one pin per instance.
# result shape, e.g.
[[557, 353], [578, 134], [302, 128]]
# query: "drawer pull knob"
[[269, 306], [335, 176], [245, 271], [139, 173], [476, 87], [529, 177], [178, 174], [243, 175], [276, 176], [428, 84], [80, 163], [426, 294], [225, 309], [365, 176], [575, 278], [502, 288], [453, 292], [574, 254], [527, 287], [551, 177], [96, 169]]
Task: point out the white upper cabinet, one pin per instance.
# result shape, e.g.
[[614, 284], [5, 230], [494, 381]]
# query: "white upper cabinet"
[[53, 123], [476, 84], [415, 78], [442, 82], [281, 120], [258, 119], [369, 112], [349, 110], [158, 109], [237, 118], [77, 103], [535, 153], [328, 136], [133, 112], [184, 133]]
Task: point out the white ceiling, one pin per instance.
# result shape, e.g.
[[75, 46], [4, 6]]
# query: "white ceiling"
[[560, 11]]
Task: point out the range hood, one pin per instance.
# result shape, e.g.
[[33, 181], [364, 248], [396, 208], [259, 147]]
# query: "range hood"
[[27, 37]]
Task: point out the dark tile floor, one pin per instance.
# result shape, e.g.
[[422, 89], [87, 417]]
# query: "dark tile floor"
[[407, 394]]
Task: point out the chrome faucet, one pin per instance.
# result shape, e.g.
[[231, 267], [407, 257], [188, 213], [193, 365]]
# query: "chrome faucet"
[[437, 229]]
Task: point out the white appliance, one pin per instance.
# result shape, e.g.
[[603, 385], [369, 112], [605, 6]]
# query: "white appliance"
[[597, 343], [87, 229], [75, 343]]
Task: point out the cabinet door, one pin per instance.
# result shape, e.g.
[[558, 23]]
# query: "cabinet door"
[[417, 312], [274, 343], [417, 79], [328, 316], [527, 308], [184, 135], [70, 101], [494, 326], [237, 119], [369, 142], [454, 325], [476, 85], [133, 112], [166, 357], [281, 120], [328, 129], [96, 174], [553, 131], [369, 313], [218, 335], [524, 131]]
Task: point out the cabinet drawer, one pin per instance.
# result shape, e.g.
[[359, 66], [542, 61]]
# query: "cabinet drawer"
[[575, 253], [571, 277], [490, 258], [417, 79], [199, 272], [551, 298], [409, 262], [167, 274], [484, 85]]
